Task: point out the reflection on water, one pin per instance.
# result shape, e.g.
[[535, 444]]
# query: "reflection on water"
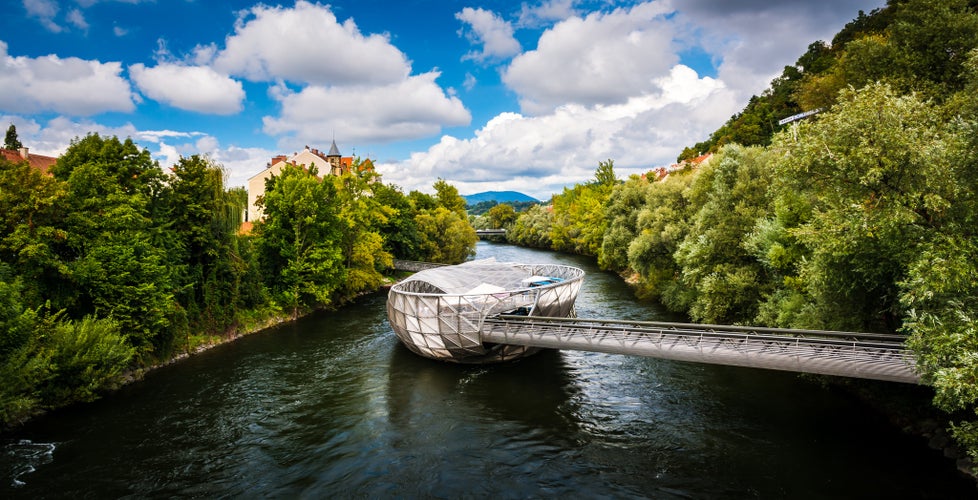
[[333, 406]]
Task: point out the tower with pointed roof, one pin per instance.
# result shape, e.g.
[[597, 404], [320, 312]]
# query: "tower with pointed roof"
[[335, 159]]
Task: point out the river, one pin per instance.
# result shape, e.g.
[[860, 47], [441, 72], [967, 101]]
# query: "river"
[[333, 406]]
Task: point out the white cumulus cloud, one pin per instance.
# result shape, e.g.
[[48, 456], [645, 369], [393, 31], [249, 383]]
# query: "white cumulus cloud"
[[410, 109], [64, 85], [306, 44], [193, 88], [490, 30], [604, 58], [545, 13]]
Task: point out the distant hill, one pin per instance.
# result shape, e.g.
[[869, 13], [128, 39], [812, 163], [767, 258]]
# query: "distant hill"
[[498, 196]]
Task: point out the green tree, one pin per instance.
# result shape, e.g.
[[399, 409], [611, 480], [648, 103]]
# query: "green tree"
[[11, 141], [874, 172], [605, 174], [203, 220], [361, 217], [578, 223], [532, 228], [117, 245], [32, 234], [661, 225], [727, 281], [401, 237], [501, 216], [624, 204], [447, 196], [446, 237], [299, 239], [932, 39]]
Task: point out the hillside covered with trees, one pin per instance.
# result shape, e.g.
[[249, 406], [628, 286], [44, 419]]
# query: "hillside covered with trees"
[[861, 218], [111, 264]]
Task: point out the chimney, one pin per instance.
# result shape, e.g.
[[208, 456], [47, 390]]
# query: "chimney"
[[24, 153]]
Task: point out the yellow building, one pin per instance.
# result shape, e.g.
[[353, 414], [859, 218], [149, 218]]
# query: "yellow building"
[[332, 163]]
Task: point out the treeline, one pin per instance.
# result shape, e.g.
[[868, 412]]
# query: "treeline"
[[483, 207], [111, 264], [863, 218]]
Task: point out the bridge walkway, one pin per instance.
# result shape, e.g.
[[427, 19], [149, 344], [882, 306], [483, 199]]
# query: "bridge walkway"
[[846, 354]]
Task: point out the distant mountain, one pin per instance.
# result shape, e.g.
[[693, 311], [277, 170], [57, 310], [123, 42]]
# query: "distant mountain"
[[499, 196]]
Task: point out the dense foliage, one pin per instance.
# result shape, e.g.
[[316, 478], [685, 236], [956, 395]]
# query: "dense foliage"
[[861, 218], [111, 264]]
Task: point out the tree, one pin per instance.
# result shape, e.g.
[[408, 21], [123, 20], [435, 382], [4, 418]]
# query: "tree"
[[446, 237], [448, 197], [204, 218], [661, 225], [727, 282], [32, 233], [605, 174], [621, 211], [117, 246], [532, 228], [10, 140], [875, 173], [361, 216], [401, 237], [501, 216], [299, 239]]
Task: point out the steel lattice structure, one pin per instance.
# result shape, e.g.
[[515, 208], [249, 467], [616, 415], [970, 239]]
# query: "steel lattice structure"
[[439, 313]]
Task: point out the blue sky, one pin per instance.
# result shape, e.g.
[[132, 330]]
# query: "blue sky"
[[489, 95]]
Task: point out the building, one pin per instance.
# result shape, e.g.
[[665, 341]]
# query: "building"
[[40, 162], [331, 163]]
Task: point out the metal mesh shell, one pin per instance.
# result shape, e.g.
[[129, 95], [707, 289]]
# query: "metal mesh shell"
[[438, 313]]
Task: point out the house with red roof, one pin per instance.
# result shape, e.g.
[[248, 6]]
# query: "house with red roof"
[[40, 162]]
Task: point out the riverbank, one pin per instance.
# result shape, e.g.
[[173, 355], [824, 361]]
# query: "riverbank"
[[253, 326], [255, 323]]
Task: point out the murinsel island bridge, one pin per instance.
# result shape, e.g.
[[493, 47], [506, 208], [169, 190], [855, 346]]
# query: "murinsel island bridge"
[[476, 325]]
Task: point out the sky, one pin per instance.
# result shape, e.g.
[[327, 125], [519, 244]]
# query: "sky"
[[489, 95]]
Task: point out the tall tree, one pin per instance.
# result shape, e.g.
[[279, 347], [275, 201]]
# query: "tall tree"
[[299, 239], [361, 216], [448, 197], [10, 140]]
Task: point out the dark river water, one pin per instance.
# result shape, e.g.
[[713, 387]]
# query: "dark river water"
[[332, 406]]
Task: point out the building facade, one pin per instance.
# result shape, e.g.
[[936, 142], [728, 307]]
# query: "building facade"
[[329, 163]]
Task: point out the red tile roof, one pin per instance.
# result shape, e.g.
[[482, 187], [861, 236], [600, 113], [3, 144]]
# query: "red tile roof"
[[40, 162]]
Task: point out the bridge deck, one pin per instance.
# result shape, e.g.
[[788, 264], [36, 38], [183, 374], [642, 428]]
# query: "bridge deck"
[[860, 355]]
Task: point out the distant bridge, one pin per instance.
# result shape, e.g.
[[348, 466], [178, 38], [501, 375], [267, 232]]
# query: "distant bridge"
[[845, 354], [484, 233]]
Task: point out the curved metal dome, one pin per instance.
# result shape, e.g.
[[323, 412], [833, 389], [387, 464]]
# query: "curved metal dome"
[[438, 313]]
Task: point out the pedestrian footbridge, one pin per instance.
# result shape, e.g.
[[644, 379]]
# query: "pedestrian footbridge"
[[846, 354]]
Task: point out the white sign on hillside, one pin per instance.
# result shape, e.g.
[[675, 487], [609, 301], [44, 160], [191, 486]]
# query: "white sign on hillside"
[[799, 116]]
